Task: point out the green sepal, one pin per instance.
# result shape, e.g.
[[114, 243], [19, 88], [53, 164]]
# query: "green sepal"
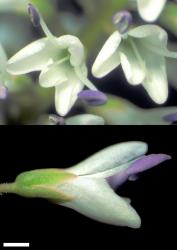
[[43, 183]]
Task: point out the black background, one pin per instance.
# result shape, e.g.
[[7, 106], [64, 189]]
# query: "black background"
[[44, 224]]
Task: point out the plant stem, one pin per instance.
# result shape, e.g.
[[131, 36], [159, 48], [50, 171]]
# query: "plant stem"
[[7, 188]]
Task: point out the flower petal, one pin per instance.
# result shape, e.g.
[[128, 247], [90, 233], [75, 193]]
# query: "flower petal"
[[33, 57], [53, 75], [108, 58], [107, 160], [156, 83], [66, 94], [147, 162], [149, 9], [153, 38], [85, 119], [74, 47], [132, 64], [95, 199], [142, 164]]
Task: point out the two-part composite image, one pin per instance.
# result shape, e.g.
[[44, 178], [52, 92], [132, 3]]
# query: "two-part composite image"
[[88, 108]]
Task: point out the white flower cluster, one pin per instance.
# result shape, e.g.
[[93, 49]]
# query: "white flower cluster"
[[141, 51]]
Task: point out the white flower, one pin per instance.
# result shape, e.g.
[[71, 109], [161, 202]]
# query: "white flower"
[[62, 65], [84, 187], [150, 9], [89, 186], [141, 52]]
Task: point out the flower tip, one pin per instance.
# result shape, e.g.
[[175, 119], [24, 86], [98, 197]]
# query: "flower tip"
[[122, 20], [136, 224], [93, 97], [134, 220], [34, 15], [160, 97]]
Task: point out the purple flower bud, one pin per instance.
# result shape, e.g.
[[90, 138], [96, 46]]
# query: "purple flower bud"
[[122, 20], [57, 120], [34, 15], [171, 117], [3, 92], [93, 98]]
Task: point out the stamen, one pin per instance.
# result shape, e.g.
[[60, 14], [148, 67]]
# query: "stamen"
[[122, 20], [65, 59], [37, 20], [34, 14]]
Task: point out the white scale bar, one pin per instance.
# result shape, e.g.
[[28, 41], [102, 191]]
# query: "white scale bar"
[[16, 244]]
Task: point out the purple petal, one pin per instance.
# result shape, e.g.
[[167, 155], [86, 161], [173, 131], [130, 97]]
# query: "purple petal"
[[93, 98], [146, 162], [138, 166], [171, 117]]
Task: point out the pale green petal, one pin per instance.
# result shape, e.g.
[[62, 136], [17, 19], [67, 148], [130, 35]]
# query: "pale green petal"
[[110, 158], [53, 75], [66, 94], [95, 199], [33, 57], [150, 9], [85, 119], [132, 63], [108, 58], [152, 35], [74, 47], [156, 83]]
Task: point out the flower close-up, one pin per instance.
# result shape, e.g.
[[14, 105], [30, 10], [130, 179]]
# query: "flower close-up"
[[141, 51], [149, 10], [61, 61], [89, 187]]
